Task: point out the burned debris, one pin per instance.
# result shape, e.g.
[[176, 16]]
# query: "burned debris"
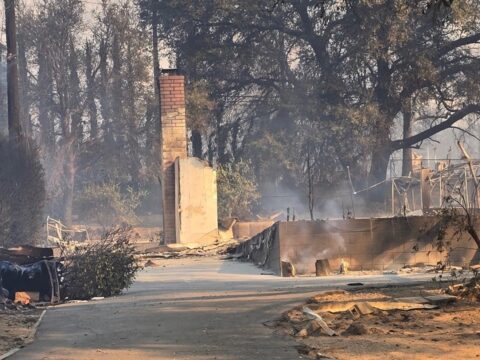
[[336, 324], [29, 269], [31, 275], [42, 278]]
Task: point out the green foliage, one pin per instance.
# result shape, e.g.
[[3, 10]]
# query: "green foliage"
[[237, 190], [22, 193], [104, 268], [107, 204]]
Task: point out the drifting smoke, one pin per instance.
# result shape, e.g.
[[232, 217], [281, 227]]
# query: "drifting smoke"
[[331, 203], [279, 198], [301, 251]]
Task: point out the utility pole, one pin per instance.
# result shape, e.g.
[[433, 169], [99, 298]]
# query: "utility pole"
[[14, 126]]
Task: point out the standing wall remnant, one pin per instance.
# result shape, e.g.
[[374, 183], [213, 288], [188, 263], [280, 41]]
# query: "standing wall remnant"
[[173, 144], [365, 244], [196, 202]]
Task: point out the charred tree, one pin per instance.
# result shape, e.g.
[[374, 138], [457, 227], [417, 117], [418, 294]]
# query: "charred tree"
[[45, 101], [90, 91], [14, 124], [311, 195], [3, 94], [24, 88], [105, 107], [407, 132], [197, 146], [156, 73]]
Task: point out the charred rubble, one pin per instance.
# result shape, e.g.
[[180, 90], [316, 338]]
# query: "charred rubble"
[[29, 274]]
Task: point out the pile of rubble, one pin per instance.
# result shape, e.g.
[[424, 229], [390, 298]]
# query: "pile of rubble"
[[174, 251], [323, 315], [368, 322], [469, 290], [421, 269]]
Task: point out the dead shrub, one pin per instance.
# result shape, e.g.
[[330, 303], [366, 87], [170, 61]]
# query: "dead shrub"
[[100, 269]]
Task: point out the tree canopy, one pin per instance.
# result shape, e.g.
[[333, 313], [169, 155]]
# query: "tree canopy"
[[307, 91]]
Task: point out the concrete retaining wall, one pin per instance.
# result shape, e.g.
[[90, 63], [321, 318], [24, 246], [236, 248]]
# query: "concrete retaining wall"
[[368, 244], [263, 249]]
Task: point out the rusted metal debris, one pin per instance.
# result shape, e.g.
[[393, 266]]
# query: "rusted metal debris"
[[58, 233]]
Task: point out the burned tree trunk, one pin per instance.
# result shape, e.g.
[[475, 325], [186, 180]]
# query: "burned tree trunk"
[[92, 107], [24, 97], [156, 73], [311, 197], [197, 146], [407, 132], [45, 96], [473, 233], [70, 171], [379, 164], [14, 125]]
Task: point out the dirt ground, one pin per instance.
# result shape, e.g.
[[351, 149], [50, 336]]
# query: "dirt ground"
[[449, 332], [15, 328]]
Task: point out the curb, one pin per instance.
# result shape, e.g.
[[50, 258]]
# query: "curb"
[[28, 340]]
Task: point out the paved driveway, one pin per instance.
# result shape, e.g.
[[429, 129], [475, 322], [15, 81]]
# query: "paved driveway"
[[185, 309]]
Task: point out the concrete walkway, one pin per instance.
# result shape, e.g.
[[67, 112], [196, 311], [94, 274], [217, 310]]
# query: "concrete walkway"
[[185, 309]]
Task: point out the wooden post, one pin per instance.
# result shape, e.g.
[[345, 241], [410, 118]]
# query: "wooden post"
[[421, 191], [413, 200], [14, 126], [440, 191], [467, 201], [393, 196], [322, 267]]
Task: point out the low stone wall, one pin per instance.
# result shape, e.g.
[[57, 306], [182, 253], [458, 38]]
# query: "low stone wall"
[[366, 244]]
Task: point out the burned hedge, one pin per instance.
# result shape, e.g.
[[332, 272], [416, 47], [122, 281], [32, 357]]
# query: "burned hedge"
[[100, 269], [22, 193]]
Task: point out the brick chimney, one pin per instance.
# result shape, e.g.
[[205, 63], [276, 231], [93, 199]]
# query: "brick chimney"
[[173, 144]]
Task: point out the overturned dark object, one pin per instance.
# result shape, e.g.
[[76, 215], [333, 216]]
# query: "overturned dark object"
[[42, 277]]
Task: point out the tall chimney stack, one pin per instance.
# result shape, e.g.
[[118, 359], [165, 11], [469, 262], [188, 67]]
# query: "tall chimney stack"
[[173, 144]]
